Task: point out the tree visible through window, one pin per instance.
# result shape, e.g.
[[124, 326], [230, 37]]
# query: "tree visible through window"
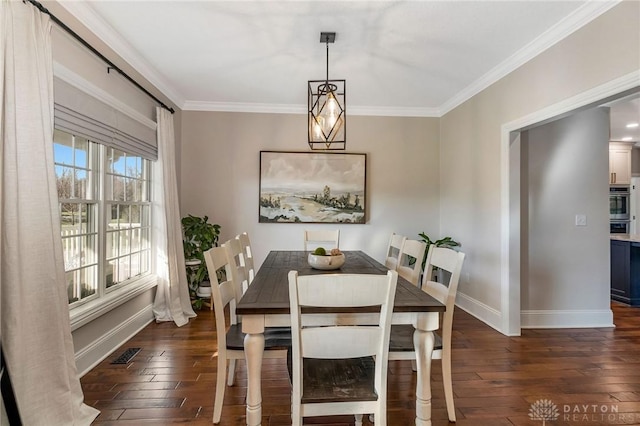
[[128, 213], [94, 182]]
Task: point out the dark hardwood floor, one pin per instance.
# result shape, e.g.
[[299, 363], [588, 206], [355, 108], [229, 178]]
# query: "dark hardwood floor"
[[591, 376]]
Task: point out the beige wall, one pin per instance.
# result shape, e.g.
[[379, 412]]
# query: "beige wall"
[[220, 175], [470, 167]]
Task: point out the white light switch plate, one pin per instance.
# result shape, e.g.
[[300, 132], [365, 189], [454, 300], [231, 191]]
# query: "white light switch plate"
[[581, 220]]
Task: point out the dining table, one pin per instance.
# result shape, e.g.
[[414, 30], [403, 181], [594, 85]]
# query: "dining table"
[[266, 304]]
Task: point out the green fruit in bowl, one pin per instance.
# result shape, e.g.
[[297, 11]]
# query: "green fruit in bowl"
[[320, 251]]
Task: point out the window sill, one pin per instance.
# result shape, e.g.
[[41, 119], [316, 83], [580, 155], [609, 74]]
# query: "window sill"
[[84, 314]]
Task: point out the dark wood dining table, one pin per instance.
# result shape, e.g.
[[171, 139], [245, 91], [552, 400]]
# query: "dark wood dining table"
[[266, 304]]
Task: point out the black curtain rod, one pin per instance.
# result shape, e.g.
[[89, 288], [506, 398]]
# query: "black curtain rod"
[[98, 54]]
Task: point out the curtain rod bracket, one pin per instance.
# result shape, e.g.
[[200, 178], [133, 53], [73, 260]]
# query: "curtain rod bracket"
[[93, 50]]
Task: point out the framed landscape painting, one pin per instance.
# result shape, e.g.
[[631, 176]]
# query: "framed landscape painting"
[[312, 187]]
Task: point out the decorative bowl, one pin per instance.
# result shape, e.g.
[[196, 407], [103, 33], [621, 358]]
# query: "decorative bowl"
[[327, 262]]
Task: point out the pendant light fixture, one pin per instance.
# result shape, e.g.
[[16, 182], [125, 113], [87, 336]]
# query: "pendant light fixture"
[[327, 109]]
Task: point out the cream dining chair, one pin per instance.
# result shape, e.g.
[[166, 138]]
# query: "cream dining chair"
[[318, 238], [237, 253], [229, 334], [407, 268], [401, 340], [339, 369], [393, 251]]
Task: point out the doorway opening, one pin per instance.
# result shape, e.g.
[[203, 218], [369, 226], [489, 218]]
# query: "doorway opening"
[[513, 239]]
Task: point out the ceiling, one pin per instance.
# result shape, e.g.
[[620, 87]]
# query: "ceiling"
[[405, 58]]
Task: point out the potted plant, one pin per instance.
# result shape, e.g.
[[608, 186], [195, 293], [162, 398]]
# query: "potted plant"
[[198, 236]]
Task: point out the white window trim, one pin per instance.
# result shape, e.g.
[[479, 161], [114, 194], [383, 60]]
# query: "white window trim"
[[90, 311]]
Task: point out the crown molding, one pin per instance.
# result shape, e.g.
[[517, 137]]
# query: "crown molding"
[[90, 19], [302, 109], [394, 111], [244, 107], [576, 20]]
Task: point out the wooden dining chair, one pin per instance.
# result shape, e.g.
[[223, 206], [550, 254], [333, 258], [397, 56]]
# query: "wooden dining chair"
[[226, 292], [393, 251], [339, 369], [410, 260], [401, 341], [318, 238], [247, 256]]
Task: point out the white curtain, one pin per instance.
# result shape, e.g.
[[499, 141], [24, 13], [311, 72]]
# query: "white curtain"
[[172, 301], [34, 312]]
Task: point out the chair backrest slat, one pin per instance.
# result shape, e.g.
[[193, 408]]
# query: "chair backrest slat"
[[393, 251], [338, 290], [236, 263], [314, 342], [410, 270], [328, 239], [223, 292], [247, 258], [448, 260]]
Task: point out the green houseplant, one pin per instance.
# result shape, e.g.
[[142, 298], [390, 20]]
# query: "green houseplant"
[[198, 236]]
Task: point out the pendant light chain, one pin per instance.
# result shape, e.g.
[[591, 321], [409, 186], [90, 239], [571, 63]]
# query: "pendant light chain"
[[327, 63]]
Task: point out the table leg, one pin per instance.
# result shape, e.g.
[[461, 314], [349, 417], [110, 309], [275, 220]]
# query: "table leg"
[[253, 351], [423, 342]]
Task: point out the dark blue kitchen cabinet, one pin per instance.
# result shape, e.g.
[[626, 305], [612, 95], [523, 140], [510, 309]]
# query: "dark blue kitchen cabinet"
[[625, 272]]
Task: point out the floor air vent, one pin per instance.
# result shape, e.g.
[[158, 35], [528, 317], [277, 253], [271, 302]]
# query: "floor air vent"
[[126, 356]]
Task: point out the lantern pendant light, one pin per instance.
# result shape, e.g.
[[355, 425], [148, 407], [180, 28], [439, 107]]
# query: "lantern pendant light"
[[327, 109]]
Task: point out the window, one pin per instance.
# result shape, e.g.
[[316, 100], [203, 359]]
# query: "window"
[[105, 216]]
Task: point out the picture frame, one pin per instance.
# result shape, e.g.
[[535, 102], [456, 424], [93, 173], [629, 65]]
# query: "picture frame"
[[312, 187]]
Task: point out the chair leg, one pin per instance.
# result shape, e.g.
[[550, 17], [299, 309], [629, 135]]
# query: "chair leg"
[[232, 372], [358, 419], [296, 420], [378, 419], [448, 385], [220, 387]]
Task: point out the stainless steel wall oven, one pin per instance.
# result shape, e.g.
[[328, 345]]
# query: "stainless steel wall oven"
[[619, 203], [619, 226], [619, 206]]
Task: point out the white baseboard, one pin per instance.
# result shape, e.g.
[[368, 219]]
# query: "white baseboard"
[[594, 318], [92, 354], [484, 313], [567, 318]]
